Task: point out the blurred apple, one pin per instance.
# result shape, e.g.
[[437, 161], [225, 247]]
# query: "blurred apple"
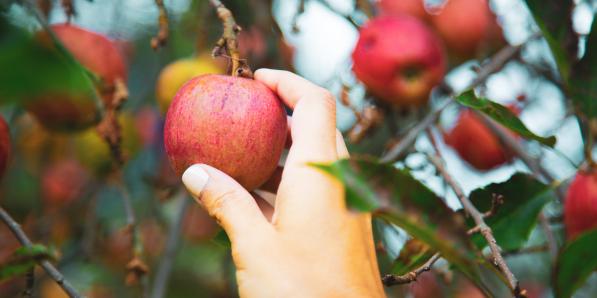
[[399, 59], [580, 206], [467, 27], [198, 225], [93, 151], [67, 111], [175, 74], [63, 182], [147, 124]]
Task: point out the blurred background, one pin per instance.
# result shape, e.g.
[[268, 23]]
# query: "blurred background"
[[60, 186]]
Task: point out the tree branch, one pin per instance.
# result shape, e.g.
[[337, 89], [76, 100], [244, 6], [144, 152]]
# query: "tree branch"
[[348, 17], [389, 280], [15, 228], [165, 267], [29, 283], [162, 36], [481, 226], [227, 45], [493, 65]]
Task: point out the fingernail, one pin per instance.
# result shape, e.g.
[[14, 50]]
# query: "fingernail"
[[194, 179]]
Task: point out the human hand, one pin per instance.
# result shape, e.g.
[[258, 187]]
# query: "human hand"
[[313, 246]]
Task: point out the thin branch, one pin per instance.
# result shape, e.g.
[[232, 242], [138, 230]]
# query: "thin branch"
[[514, 146], [165, 268], [483, 228], [389, 280], [493, 65], [227, 45], [15, 228], [162, 36], [29, 283], [496, 201], [69, 9]]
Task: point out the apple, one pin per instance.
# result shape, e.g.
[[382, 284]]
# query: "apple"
[[4, 145], [148, 124], [93, 151], [467, 27], [399, 59], [197, 225], [175, 74], [415, 8], [235, 124], [63, 182], [475, 143], [580, 207], [64, 111]]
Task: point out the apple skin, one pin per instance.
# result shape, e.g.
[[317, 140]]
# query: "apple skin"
[[5, 145], [415, 8], [64, 111], [467, 27], [63, 182], [175, 74], [235, 124], [580, 207], [475, 143], [399, 59]]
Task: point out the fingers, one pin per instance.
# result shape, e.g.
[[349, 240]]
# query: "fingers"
[[226, 200], [314, 118]]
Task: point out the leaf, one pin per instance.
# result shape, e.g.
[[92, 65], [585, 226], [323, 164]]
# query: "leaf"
[[523, 199], [502, 115], [221, 239], [31, 68], [577, 260], [583, 79], [554, 18], [395, 196], [413, 255], [23, 260]]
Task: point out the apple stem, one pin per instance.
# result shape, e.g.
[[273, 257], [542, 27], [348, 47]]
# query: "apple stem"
[[227, 45], [162, 36]]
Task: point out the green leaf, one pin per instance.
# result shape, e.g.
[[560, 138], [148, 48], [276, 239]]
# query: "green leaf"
[[23, 260], [221, 239], [502, 115], [577, 260], [413, 255], [554, 18], [523, 198], [31, 69], [583, 79], [396, 197]]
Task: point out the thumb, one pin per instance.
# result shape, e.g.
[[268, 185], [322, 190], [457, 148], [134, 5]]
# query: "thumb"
[[224, 199]]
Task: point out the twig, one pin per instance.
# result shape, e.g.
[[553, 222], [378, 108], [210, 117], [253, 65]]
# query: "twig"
[[29, 283], [300, 9], [496, 201], [162, 37], [483, 228], [493, 65], [227, 45], [536, 168], [69, 9], [15, 228], [389, 280], [165, 267]]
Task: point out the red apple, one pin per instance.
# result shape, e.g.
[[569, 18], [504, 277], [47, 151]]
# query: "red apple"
[[235, 124], [467, 26], [65, 111], [4, 145], [476, 143], [198, 225], [63, 182], [415, 8], [399, 59], [580, 207]]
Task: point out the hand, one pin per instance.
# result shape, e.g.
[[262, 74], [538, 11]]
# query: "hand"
[[313, 246]]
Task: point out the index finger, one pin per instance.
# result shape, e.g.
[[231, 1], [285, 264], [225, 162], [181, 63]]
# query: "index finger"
[[314, 118]]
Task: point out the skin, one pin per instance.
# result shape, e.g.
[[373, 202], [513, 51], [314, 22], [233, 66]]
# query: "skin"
[[312, 246]]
